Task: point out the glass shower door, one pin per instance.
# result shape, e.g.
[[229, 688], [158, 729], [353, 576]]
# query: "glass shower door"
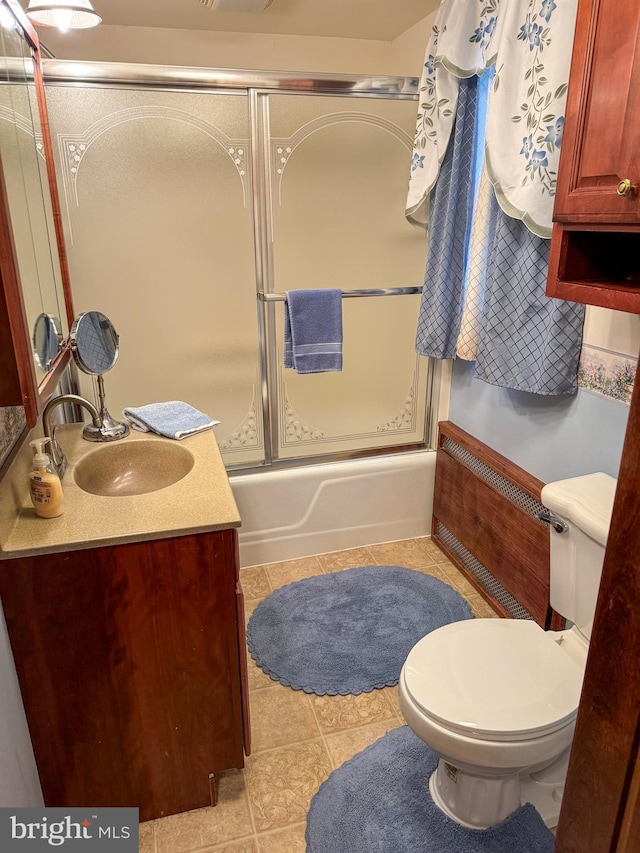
[[336, 174], [158, 215]]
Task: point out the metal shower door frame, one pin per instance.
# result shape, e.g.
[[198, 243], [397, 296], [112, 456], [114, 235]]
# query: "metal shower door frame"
[[258, 85]]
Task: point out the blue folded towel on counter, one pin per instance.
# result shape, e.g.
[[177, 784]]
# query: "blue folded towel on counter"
[[313, 330], [173, 419]]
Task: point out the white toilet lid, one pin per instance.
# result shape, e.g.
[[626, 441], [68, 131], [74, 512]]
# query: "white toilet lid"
[[494, 678]]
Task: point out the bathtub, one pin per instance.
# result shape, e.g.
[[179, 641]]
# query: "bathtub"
[[297, 512]]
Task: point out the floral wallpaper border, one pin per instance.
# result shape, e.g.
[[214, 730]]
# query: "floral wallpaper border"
[[607, 373]]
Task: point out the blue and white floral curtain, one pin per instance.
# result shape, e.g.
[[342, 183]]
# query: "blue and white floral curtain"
[[461, 45], [519, 337]]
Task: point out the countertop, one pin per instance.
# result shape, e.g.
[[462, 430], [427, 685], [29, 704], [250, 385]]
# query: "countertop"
[[201, 501]]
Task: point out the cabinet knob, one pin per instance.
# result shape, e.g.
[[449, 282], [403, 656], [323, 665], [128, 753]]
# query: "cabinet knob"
[[625, 188]]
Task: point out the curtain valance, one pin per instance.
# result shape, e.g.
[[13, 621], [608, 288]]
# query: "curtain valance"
[[530, 43]]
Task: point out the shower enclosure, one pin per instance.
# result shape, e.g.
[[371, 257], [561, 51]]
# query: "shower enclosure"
[[193, 200]]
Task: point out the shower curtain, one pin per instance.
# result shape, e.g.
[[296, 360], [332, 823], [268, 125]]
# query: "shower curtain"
[[519, 338]]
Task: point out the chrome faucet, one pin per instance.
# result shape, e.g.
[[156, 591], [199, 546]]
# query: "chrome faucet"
[[58, 459]]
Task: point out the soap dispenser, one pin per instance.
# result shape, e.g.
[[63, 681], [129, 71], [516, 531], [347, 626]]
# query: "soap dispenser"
[[44, 484]]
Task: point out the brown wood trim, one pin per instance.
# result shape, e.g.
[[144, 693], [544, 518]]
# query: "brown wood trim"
[[53, 184], [53, 377], [469, 575], [505, 539], [127, 658], [577, 100], [509, 470], [599, 801], [10, 389], [244, 675], [616, 298], [630, 832], [242, 648], [16, 353]]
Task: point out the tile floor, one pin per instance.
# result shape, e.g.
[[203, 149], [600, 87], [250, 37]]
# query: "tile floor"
[[298, 739]]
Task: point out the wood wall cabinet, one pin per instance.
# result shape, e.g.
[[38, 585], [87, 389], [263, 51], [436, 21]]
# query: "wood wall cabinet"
[[595, 247], [132, 668]]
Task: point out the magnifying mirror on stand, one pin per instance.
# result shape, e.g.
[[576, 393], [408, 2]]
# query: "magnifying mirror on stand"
[[94, 344], [47, 340]]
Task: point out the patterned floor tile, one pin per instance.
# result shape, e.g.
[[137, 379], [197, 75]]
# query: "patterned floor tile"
[[433, 551], [481, 608], [338, 560], [408, 553], [436, 570], [337, 713], [250, 605], [256, 678], [280, 574], [290, 840], [459, 581], [248, 846], [281, 716], [201, 829], [281, 783], [298, 738], [255, 583], [345, 745], [147, 840], [392, 698]]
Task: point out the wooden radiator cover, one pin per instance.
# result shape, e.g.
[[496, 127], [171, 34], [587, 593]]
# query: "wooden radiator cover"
[[484, 519]]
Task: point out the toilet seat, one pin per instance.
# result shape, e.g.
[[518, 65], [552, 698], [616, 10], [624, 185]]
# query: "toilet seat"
[[494, 679]]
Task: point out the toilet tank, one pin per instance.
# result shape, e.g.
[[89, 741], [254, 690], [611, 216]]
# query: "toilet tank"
[[585, 505]]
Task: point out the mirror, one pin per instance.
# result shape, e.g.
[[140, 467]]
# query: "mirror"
[[28, 197], [34, 275], [95, 345], [47, 340]]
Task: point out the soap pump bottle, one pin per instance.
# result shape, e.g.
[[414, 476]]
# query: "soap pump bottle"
[[44, 484]]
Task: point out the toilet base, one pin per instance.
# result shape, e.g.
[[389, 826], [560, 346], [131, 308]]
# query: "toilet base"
[[472, 800], [480, 801]]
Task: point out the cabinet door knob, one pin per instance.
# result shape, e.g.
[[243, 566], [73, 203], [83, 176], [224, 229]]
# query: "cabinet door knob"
[[625, 188]]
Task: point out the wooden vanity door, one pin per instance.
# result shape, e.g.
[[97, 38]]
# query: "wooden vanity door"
[[129, 668], [601, 144]]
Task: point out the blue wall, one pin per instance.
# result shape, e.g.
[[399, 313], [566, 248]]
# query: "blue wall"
[[550, 437]]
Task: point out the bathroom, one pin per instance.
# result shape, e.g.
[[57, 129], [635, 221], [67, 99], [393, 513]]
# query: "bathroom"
[[552, 438]]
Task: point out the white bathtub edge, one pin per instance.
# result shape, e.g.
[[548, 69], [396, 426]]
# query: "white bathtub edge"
[[298, 512]]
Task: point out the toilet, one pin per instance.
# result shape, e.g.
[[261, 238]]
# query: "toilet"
[[497, 699]]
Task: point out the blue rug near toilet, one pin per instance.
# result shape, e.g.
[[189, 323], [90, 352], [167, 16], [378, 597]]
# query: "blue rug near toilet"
[[379, 802], [349, 631]]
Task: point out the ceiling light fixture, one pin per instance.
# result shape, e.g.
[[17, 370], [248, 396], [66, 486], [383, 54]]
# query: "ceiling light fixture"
[[63, 14]]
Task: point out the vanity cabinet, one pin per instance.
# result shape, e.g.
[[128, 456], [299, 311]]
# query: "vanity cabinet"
[[595, 247], [132, 668]]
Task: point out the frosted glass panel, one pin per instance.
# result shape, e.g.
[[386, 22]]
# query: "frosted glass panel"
[[377, 400], [338, 172], [160, 238]]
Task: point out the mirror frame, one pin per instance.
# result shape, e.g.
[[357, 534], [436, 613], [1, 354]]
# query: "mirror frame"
[[18, 383]]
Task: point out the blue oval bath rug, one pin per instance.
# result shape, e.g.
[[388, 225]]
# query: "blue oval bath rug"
[[379, 802], [349, 631]]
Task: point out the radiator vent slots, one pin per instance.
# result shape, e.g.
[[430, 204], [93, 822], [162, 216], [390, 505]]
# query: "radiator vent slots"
[[482, 575], [499, 483], [485, 518]]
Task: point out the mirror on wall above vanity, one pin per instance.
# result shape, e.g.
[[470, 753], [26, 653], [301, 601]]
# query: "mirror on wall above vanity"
[[35, 301]]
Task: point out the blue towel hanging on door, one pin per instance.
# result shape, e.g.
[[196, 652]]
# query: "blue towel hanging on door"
[[313, 330]]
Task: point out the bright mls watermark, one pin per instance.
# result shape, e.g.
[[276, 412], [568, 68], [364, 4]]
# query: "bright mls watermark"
[[69, 830]]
